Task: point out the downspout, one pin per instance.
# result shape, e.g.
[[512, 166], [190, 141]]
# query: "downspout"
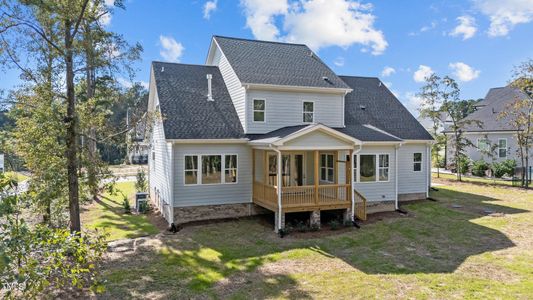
[[396, 175], [353, 180], [428, 169], [279, 185]]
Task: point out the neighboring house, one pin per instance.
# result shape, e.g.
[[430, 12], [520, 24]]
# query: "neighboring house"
[[492, 138], [137, 148], [267, 126]]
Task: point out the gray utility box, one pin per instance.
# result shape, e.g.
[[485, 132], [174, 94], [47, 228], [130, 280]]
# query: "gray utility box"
[[141, 200]]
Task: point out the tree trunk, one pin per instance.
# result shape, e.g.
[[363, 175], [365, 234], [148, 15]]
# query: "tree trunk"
[[72, 142], [91, 140]]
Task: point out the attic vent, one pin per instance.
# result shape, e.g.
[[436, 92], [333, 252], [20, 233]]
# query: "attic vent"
[[326, 79], [380, 83], [362, 107], [209, 91]]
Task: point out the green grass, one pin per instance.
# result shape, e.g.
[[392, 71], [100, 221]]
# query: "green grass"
[[108, 214], [438, 252], [475, 179]]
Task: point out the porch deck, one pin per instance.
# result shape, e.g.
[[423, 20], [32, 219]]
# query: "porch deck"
[[308, 198]]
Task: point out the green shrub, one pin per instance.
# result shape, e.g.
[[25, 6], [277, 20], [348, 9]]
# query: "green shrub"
[[141, 185], [441, 162], [126, 204], [464, 165], [479, 167], [506, 167], [334, 224]]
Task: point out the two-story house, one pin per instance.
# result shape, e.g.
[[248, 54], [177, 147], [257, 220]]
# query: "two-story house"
[[267, 126]]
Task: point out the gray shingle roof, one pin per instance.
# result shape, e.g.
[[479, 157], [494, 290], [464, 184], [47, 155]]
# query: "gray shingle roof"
[[496, 101], [273, 63], [381, 109], [182, 91]]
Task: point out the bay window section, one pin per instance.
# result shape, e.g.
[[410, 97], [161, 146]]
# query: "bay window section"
[[368, 168], [213, 169]]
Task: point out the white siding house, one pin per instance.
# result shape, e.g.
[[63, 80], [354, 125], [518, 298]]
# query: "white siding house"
[[267, 127]]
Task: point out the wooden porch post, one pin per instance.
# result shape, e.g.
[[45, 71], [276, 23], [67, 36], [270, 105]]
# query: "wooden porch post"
[[316, 177], [253, 173]]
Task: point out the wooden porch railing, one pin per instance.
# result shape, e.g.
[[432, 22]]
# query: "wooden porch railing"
[[332, 194], [360, 205], [265, 194]]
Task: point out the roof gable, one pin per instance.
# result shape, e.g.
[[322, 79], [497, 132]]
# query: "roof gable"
[[281, 64]]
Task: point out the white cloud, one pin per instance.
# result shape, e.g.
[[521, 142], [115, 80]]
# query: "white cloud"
[[422, 73], [388, 71], [109, 2], [209, 7], [505, 14], [260, 17], [466, 28], [128, 84], [464, 72], [317, 23], [424, 28], [172, 50], [339, 61]]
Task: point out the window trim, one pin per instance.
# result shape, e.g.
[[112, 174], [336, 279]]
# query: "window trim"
[[326, 167], [499, 148], [358, 157], [420, 162], [304, 112], [222, 169], [254, 110], [483, 139]]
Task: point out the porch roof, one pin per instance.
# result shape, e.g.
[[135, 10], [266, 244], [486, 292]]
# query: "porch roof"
[[357, 133]]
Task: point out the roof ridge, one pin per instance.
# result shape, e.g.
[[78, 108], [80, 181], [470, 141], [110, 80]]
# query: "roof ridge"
[[182, 64], [259, 41], [355, 76]]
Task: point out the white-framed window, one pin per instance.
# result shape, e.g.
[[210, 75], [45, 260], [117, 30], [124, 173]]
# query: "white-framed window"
[[308, 112], [230, 169], [367, 163], [417, 161], [259, 110], [210, 169], [191, 169], [502, 148], [327, 172], [483, 144], [355, 168], [383, 167]]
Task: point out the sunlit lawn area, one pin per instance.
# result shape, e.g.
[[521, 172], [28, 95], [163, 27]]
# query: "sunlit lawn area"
[[474, 242], [108, 214], [475, 179]]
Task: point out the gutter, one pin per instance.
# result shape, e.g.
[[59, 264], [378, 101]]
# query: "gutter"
[[396, 175], [279, 186]]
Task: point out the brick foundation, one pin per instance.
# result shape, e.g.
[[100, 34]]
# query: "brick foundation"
[[411, 197], [212, 212], [379, 206], [314, 218]]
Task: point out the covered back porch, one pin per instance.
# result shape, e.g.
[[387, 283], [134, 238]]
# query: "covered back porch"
[[315, 174]]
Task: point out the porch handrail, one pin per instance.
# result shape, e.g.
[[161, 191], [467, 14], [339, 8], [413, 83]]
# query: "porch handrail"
[[360, 205]]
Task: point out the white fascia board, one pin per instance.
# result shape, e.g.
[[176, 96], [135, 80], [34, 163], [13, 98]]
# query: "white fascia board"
[[262, 86]]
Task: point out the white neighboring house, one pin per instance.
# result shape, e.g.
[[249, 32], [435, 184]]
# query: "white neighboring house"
[[267, 126], [493, 139], [2, 167]]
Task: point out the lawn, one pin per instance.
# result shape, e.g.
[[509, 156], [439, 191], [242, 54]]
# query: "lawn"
[[108, 213], [479, 180], [474, 242]]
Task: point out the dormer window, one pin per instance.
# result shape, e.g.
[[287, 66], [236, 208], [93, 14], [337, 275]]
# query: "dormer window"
[[259, 110], [308, 112]]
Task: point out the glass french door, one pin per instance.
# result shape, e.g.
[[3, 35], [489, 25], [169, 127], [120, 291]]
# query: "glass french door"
[[292, 169]]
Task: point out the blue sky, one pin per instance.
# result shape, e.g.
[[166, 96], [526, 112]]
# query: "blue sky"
[[478, 42]]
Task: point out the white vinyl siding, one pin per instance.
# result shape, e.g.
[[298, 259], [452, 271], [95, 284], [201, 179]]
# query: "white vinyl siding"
[[233, 84], [412, 181], [212, 194], [285, 109], [376, 190]]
